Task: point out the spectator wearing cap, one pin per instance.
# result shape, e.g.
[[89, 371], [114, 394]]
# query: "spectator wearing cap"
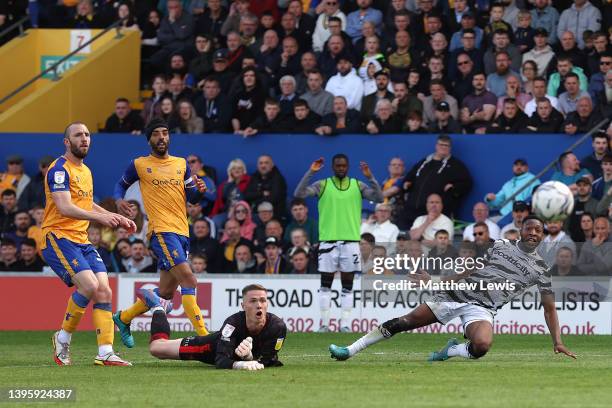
[[583, 119], [439, 173], [274, 263], [524, 33], [478, 108], [545, 16], [581, 16], [502, 42], [341, 120], [469, 47], [520, 176], [443, 121], [545, 119], [355, 20], [124, 119], [541, 53], [34, 192], [511, 120], [468, 21], [319, 100], [303, 119], [480, 212], [592, 162], [539, 91], [496, 81], [520, 210], [570, 171], [175, 32], [583, 202], [368, 103], [14, 178], [384, 120], [346, 83], [8, 255], [437, 95]]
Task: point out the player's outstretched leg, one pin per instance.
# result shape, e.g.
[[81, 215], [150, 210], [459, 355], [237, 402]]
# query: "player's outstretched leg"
[[184, 276], [419, 317]]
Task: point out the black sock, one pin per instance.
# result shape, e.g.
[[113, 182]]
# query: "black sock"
[[160, 328], [392, 327]]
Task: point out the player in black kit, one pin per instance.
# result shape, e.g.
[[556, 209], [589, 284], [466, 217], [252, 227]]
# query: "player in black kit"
[[248, 340]]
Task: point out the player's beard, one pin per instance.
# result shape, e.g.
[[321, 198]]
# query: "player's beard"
[[80, 152], [160, 151]]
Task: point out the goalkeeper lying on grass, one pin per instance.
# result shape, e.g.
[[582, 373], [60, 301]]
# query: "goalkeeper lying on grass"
[[248, 340]]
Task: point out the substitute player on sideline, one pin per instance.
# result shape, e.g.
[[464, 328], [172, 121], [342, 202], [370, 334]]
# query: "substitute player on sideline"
[[68, 211], [165, 182], [509, 261], [248, 340], [340, 200]]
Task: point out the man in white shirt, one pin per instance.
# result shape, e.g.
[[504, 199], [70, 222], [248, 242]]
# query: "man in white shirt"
[[555, 240], [384, 231], [425, 227], [480, 212], [346, 82], [539, 91]]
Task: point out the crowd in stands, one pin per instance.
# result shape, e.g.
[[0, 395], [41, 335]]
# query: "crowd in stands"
[[352, 66], [248, 222]]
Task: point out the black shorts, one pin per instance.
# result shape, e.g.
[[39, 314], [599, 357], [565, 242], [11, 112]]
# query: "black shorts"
[[200, 348]]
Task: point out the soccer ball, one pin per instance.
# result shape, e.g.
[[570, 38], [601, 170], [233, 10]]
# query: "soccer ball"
[[552, 201]]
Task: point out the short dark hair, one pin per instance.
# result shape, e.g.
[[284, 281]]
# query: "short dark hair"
[[67, 129], [299, 251], [600, 135], [481, 224], [138, 241], [437, 81], [468, 31], [510, 101], [270, 101], [572, 75], [9, 192], [334, 18], [533, 217], [539, 78], [367, 237], [340, 156], [297, 201], [29, 242], [441, 232], [122, 99], [563, 155], [607, 158], [445, 138], [299, 102], [8, 242], [252, 286], [200, 255]]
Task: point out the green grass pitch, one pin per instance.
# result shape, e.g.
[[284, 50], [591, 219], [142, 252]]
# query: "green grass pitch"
[[520, 371]]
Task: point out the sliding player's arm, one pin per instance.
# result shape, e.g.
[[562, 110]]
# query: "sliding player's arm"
[[552, 321], [130, 176]]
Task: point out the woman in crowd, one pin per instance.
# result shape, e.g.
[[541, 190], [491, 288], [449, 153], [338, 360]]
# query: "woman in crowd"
[[241, 212], [189, 120], [529, 72], [230, 191]]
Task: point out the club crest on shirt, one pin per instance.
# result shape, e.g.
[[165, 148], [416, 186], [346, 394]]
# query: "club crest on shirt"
[[59, 177], [149, 170], [279, 344], [227, 331]]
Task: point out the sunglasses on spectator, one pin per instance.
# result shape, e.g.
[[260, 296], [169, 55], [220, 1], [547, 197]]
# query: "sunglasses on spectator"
[[605, 62], [192, 161], [463, 62], [14, 162], [240, 210], [479, 234], [332, 3]]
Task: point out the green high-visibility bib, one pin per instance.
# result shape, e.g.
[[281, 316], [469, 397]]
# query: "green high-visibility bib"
[[340, 210]]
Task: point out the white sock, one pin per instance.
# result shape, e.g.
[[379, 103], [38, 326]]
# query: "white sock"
[[104, 349], [346, 304], [64, 336], [325, 305], [460, 350], [366, 341]]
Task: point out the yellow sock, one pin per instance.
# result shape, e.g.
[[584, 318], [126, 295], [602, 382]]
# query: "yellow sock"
[[103, 322], [74, 311], [131, 312], [192, 310]]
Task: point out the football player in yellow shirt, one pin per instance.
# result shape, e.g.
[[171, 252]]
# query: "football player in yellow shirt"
[[68, 211], [166, 183]]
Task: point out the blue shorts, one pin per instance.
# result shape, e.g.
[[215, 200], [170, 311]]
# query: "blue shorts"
[[67, 258], [171, 249]]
